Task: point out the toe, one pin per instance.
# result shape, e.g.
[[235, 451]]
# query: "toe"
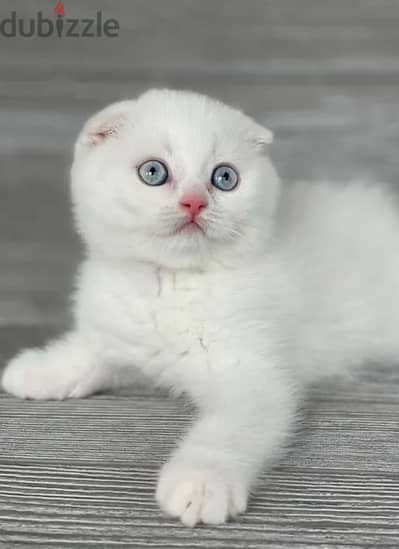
[[215, 506], [176, 501], [238, 499], [192, 513], [199, 495]]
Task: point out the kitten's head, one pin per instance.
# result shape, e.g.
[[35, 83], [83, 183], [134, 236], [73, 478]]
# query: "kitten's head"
[[175, 178]]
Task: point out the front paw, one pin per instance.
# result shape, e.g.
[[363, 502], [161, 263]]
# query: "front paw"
[[200, 493], [62, 369], [34, 374]]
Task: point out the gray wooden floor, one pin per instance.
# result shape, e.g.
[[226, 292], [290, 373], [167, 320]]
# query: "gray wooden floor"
[[325, 77]]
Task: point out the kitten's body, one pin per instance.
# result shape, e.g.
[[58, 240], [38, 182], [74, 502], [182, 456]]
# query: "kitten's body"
[[339, 245], [240, 323]]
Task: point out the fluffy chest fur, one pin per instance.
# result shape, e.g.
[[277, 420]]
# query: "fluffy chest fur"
[[181, 307], [158, 320]]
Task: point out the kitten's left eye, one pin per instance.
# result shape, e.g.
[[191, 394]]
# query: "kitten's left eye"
[[224, 177], [153, 172]]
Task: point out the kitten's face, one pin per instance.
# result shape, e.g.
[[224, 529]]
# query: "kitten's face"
[[174, 178]]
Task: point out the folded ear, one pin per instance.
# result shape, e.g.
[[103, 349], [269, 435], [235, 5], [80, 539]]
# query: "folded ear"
[[104, 125], [263, 138]]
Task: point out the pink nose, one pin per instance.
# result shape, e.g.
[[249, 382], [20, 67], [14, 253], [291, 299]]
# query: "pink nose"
[[193, 203]]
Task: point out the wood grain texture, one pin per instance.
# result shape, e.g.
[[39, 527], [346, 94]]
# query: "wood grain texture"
[[325, 77], [82, 473]]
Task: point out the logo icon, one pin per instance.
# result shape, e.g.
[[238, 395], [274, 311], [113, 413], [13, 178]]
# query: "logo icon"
[[59, 9]]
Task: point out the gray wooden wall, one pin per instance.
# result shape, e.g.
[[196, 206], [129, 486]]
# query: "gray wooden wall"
[[324, 75]]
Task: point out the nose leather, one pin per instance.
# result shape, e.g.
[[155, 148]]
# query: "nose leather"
[[193, 203]]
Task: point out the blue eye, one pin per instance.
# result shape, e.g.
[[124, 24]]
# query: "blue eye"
[[224, 177], [153, 172]]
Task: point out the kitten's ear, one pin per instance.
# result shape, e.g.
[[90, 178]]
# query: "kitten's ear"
[[104, 125], [262, 138]]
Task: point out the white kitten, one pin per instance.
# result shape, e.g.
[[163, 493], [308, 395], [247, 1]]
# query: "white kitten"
[[208, 278]]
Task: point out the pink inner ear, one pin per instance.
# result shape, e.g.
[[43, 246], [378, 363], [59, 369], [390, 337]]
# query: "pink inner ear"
[[97, 137], [104, 124]]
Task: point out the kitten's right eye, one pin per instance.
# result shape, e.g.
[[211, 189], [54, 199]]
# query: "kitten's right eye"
[[153, 172]]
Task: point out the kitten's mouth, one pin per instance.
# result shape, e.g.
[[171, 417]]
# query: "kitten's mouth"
[[189, 227]]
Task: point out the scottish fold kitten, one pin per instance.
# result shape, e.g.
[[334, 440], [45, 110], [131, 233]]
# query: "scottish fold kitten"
[[210, 277]]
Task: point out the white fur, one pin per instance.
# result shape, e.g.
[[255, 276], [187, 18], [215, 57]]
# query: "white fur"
[[285, 287]]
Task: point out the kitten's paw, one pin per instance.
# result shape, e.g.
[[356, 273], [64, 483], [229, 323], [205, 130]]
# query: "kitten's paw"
[[31, 375], [199, 494], [45, 374]]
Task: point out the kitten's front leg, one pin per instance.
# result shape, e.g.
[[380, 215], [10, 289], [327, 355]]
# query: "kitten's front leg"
[[68, 367], [247, 415]]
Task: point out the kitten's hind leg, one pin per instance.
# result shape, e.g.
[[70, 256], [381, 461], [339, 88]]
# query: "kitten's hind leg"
[[66, 368]]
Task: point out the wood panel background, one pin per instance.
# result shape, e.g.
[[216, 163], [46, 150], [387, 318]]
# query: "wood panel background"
[[324, 75]]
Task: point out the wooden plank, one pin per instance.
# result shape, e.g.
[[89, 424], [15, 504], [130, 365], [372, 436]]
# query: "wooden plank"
[[91, 506], [82, 473]]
